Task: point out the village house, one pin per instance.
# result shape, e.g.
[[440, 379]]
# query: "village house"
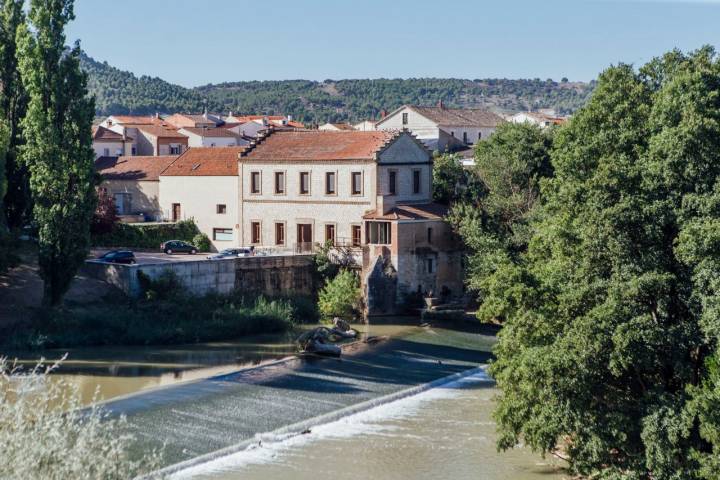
[[152, 135], [133, 183], [441, 128], [540, 119], [108, 143], [335, 127], [365, 126], [368, 191], [203, 184], [212, 137]]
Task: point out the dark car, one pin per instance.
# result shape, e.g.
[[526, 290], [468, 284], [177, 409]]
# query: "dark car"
[[118, 256], [230, 253], [178, 246]]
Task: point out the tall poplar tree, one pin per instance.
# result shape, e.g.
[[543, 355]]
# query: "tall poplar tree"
[[58, 149], [15, 197]]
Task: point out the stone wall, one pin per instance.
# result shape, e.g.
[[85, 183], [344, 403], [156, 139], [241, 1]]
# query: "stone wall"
[[280, 275]]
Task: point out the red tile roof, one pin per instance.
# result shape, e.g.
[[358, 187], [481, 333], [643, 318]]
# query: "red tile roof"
[[427, 211], [102, 133], [181, 120], [206, 161], [250, 118], [135, 119], [133, 168], [306, 145], [159, 131], [341, 126]]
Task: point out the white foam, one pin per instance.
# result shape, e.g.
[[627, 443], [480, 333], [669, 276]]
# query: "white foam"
[[371, 421]]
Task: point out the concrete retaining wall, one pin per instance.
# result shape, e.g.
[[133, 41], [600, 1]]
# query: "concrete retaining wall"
[[277, 275]]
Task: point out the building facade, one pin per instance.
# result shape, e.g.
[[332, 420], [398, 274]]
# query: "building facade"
[[441, 128]]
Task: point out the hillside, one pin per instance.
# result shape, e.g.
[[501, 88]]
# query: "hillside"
[[121, 92]]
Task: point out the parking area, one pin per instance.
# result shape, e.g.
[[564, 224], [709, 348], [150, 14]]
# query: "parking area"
[[156, 257]]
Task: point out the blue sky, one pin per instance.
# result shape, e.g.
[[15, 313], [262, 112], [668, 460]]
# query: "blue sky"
[[194, 42]]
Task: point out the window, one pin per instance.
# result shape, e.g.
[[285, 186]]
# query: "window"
[[175, 212], [221, 209], [175, 149], [330, 183], [378, 233], [429, 233], [330, 233], [430, 262], [356, 235], [356, 183], [392, 182], [452, 134], [223, 234], [255, 182], [416, 181], [279, 233], [404, 118], [106, 152], [304, 183], [133, 150], [465, 139], [122, 203], [279, 183], [479, 135], [255, 232]]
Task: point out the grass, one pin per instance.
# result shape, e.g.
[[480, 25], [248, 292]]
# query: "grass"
[[161, 319]]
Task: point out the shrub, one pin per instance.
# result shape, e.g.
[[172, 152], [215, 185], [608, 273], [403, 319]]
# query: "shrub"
[[105, 217], [45, 434], [8, 247], [202, 242], [139, 235], [340, 297]]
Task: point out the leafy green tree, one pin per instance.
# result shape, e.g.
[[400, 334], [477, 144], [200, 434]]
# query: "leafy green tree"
[[340, 296], [495, 227], [452, 182], [607, 351], [58, 150]]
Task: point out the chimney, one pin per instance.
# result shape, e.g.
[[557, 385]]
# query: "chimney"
[[289, 118], [265, 121], [383, 113], [441, 105]]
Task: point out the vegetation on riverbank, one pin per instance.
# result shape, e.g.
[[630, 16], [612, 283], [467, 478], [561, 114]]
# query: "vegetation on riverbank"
[[46, 434], [167, 315], [604, 275]]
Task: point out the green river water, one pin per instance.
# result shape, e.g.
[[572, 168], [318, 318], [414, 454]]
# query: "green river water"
[[445, 432]]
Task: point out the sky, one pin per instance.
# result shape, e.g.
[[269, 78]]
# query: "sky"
[[196, 42]]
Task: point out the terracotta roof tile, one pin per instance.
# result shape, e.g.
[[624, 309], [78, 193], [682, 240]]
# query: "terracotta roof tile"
[[159, 131], [102, 133], [427, 211], [206, 161], [133, 167], [135, 119], [303, 145]]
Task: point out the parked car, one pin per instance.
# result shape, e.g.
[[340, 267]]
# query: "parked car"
[[178, 246], [231, 253], [118, 256]]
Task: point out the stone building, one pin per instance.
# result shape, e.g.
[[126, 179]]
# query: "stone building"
[[134, 184], [441, 128]]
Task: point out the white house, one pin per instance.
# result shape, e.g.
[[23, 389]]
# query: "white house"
[[203, 184], [441, 128], [335, 127], [108, 143], [212, 137], [365, 126], [538, 118]]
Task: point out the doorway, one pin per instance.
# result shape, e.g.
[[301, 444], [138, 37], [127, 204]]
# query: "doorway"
[[304, 238]]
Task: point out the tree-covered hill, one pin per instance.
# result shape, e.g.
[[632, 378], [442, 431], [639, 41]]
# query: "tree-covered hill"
[[121, 92]]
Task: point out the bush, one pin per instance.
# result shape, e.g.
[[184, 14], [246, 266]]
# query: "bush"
[[8, 247], [45, 434], [202, 242], [139, 235], [340, 297], [168, 315], [105, 217]]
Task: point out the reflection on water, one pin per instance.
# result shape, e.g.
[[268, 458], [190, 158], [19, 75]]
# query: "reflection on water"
[[443, 433], [114, 371]]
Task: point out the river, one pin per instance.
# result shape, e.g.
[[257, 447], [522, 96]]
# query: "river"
[[445, 432]]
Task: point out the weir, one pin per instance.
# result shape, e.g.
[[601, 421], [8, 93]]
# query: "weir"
[[206, 416]]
